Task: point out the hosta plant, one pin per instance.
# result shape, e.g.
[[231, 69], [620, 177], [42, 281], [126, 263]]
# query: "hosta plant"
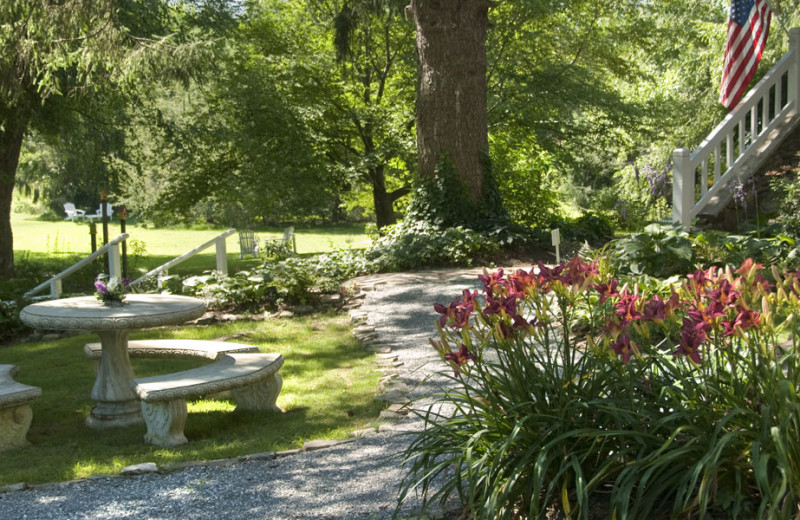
[[574, 390]]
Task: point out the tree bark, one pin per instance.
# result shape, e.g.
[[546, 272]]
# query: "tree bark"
[[11, 136], [383, 200], [451, 88]]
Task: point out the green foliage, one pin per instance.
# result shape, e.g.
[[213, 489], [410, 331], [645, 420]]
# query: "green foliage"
[[722, 249], [528, 182], [415, 245], [659, 251], [294, 280], [789, 209], [565, 391], [442, 200], [589, 227], [665, 250]]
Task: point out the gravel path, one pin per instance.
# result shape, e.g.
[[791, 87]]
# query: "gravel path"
[[358, 479]]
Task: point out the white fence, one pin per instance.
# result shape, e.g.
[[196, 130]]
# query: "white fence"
[[702, 179], [112, 249]]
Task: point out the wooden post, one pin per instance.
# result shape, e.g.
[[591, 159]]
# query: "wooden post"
[[93, 235], [123, 216], [104, 214], [682, 188]]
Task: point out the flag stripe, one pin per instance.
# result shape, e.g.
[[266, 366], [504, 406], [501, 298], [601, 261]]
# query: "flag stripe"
[[748, 28]]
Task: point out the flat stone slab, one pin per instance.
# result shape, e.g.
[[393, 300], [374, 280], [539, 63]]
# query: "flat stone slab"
[[378, 348], [393, 396], [319, 444], [138, 312], [174, 348], [139, 469]]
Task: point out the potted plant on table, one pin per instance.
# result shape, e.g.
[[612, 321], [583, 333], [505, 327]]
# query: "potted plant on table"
[[110, 291]]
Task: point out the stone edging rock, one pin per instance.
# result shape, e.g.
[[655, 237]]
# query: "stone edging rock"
[[394, 391]]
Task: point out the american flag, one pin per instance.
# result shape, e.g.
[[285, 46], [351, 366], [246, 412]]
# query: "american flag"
[[748, 27]]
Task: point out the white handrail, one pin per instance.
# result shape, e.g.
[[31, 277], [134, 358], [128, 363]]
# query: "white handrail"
[[222, 258], [113, 266], [743, 137]]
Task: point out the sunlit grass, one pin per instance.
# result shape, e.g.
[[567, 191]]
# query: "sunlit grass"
[[35, 235], [43, 248], [328, 391]]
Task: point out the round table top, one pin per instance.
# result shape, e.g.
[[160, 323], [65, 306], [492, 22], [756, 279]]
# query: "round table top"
[[138, 312]]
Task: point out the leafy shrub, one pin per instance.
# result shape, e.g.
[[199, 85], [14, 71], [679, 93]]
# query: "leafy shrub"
[[789, 209], [721, 249], [10, 324], [665, 250], [659, 251], [295, 280], [413, 245], [589, 227], [683, 402]]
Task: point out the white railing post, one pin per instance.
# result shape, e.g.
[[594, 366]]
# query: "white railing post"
[[793, 89], [55, 288], [114, 263], [162, 274], [682, 188], [222, 255]]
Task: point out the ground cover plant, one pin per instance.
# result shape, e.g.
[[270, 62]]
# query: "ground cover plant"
[[576, 390], [328, 391]]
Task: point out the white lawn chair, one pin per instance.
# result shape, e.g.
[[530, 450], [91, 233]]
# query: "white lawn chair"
[[287, 240], [72, 212], [248, 244], [99, 213]]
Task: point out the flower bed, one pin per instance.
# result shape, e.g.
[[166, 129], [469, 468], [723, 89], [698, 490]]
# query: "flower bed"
[[571, 387]]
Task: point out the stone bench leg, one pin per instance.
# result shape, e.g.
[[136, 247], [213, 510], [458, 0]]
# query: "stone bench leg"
[[14, 424], [165, 422], [259, 396]]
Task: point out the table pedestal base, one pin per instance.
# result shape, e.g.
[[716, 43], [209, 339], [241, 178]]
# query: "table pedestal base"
[[115, 415], [117, 405]]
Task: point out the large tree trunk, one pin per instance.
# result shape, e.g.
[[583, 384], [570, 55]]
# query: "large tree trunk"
[[10, 145], [451, 88], [384, 212]]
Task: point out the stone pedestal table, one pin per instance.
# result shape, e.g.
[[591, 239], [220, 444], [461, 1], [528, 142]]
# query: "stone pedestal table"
[[116, 404]]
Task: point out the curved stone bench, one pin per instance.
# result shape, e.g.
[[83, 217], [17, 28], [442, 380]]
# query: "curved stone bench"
[[15, 410], [148, 348], [253, 381]]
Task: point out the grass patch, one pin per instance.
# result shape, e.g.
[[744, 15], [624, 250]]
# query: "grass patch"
[[43, 248], [35, 235], [329, 385]]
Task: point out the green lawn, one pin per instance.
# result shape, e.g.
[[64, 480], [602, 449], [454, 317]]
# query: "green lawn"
[[63, 237], [329, 389], [43, 248]]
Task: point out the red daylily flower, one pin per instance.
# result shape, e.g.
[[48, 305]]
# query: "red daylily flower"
[[576, 271], [459, 310], [626, 308], [655, 310], [693, 334], [606, 290], [746, 319], [493, 281], [724, 294], [623, 348], [459, 358]]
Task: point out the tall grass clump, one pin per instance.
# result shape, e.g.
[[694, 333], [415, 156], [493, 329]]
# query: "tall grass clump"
[[573, 390]]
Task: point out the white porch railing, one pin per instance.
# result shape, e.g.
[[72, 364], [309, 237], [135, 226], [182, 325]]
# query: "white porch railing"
[[222, 259], [734, 149], [54, 283]]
